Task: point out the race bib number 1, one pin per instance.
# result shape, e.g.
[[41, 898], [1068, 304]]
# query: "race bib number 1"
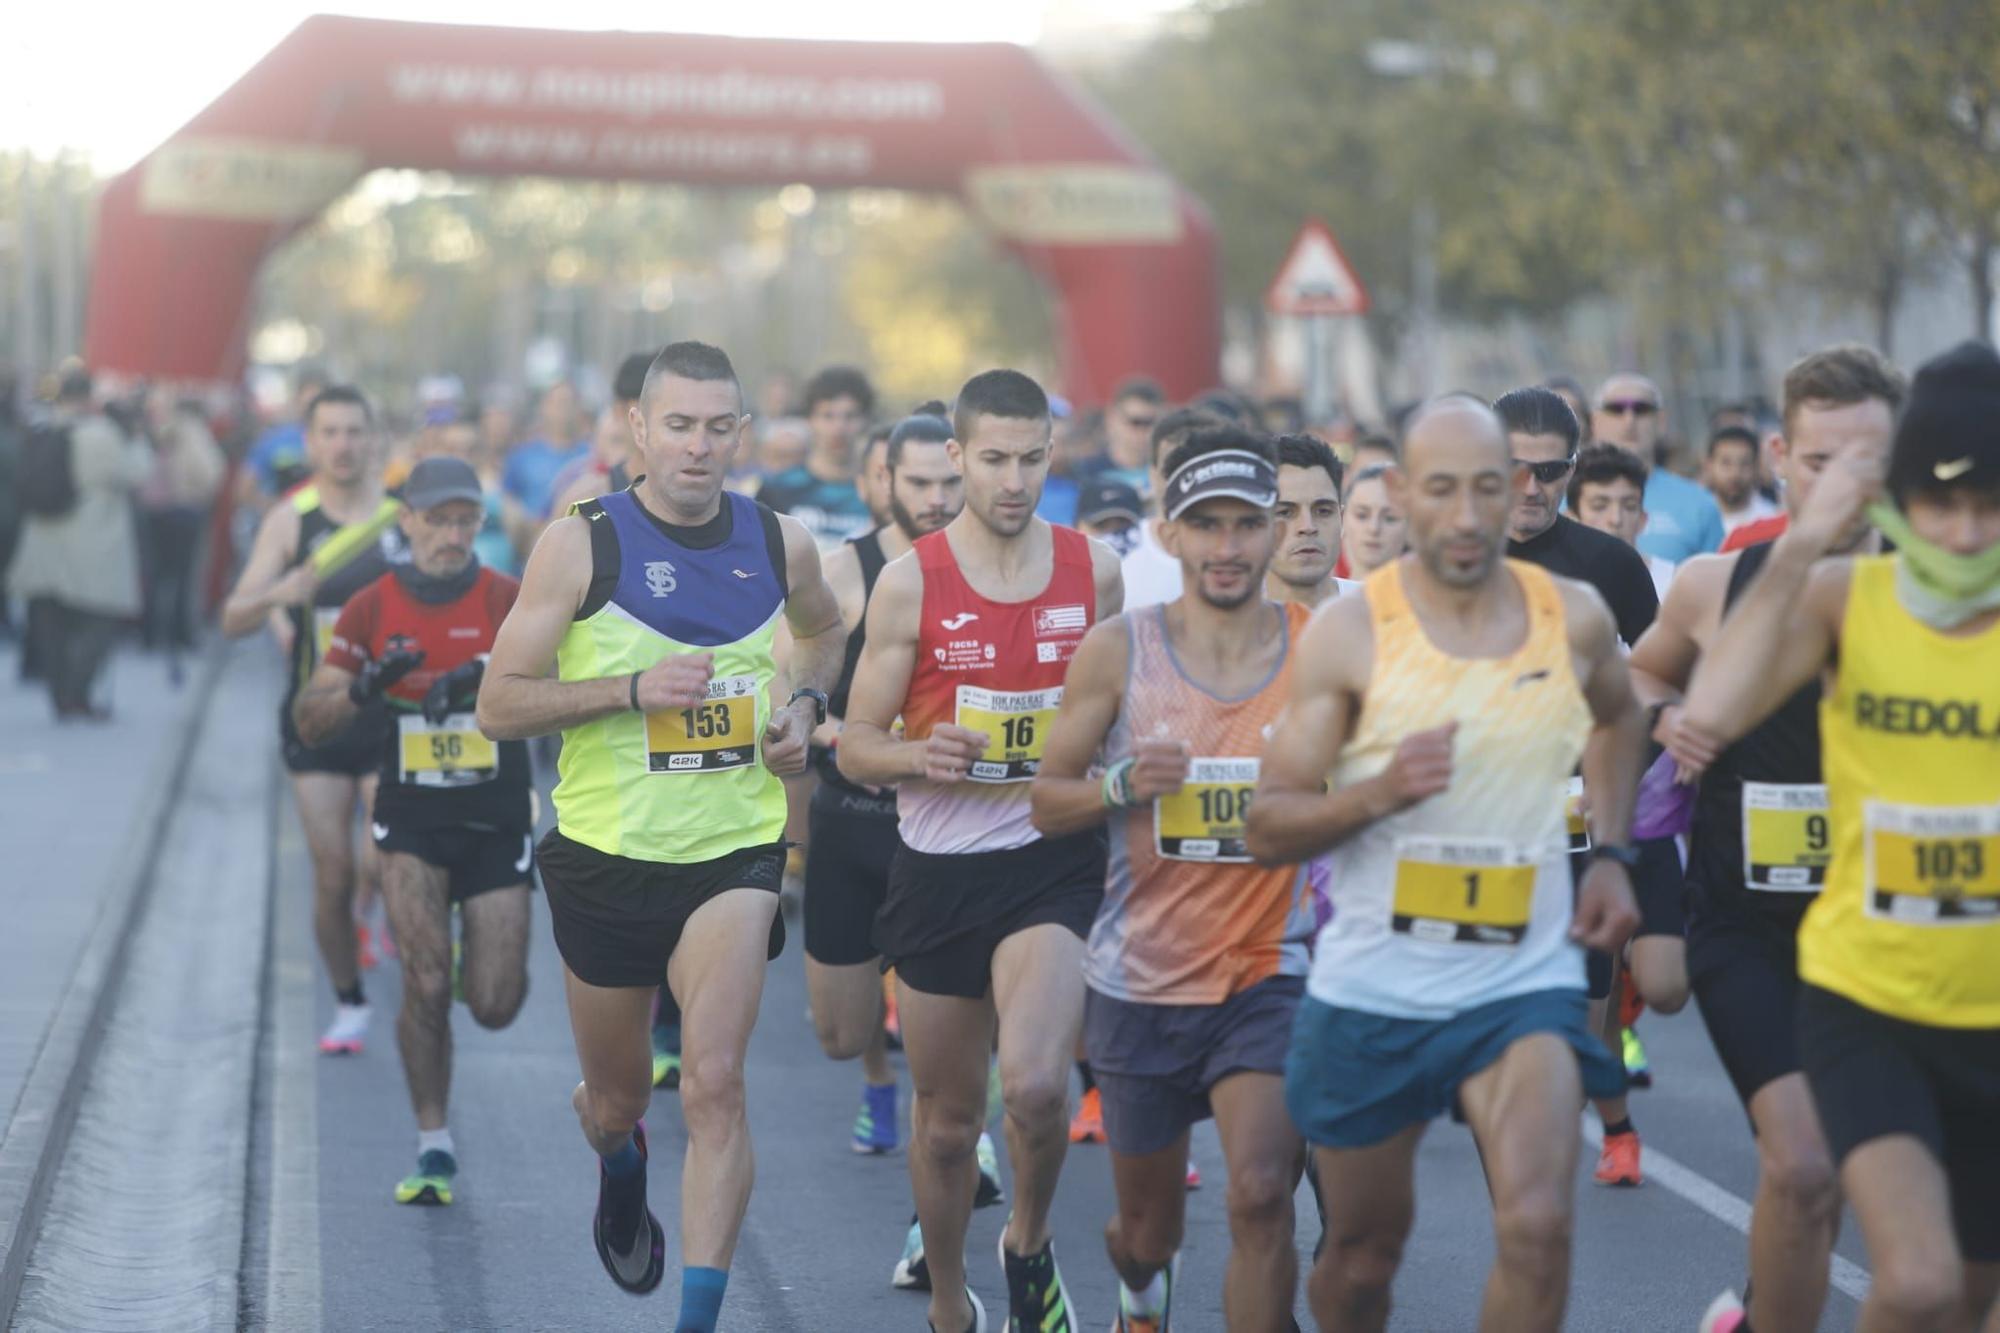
[[451, 754], [1016, 726], [1204, 820], [718, 734], [1933, 865], [1787, 844], [1462, 891]]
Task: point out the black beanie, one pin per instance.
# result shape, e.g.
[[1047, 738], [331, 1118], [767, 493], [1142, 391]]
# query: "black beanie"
[[1949, 434]]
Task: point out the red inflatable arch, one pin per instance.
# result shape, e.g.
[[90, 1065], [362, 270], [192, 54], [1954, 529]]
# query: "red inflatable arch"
[[180, 237]]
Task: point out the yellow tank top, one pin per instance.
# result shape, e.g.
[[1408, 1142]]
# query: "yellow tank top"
[[1909, 922]]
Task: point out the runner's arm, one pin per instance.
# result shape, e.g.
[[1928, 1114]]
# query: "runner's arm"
[[842, 568], [1664, 658], [1616, 750], [1110, 581], [812, 612], [323, 706], [1293, 816], [1065, 798], [521, 696], [264, 587], [868, 753]]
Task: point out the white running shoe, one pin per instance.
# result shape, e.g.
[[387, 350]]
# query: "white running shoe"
[[348, 1032]]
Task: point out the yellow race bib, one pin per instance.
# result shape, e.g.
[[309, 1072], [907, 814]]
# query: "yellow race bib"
[[324, 619], [713, 736], [450, 754], [1579, 827], [1933, 865], [1016, 725], [1463, 891], [1787, 844], [1204, 820]]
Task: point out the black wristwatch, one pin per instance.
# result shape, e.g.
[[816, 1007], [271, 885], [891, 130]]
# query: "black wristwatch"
[[817, 696], [1624, 854]]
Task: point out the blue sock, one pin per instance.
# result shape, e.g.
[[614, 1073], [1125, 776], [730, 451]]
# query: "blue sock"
[[625, 1162], [701, 1299]]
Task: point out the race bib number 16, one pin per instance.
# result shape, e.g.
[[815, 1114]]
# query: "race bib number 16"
[[1016, 726]]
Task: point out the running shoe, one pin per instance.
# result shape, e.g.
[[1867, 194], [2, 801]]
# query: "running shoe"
[[990, 1192], [1725, 1314], [1037, 1301], [912, 1273], [430, 1183], [666, 1060], [1193, 1176], [364, 947], [1636, 1070], [1618, 1163], [1129, 1320], [348, 1032], [892, 1017], [1088, 1124], [639, 1269], [875, 1122], [978, 1324]]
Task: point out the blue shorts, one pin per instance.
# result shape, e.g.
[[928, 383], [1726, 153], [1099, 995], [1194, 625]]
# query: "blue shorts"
[[1354, 1079]]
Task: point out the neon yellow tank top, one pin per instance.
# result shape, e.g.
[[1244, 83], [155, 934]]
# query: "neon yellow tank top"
[[1909, 922]]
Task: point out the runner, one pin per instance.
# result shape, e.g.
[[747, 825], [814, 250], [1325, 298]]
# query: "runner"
[[1899, 1003], [1607, 491], [451, 815], [1374, 533], [1151, 573], [329, 539], [822, 492], [1746, 897], [1308, 518], [1542, 435], [968, 638], [1197, 959], [643, 633], [1450, 703]]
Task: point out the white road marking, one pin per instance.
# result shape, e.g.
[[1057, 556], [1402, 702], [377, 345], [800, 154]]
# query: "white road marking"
[[292, 1286], [1848, 1277]]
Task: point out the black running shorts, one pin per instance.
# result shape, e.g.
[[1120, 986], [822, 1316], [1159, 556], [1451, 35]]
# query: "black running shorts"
[[618, 920], [1660, 890], [850, 842], [945, 915], [355, 753], [1743, 967], [478, 860], [1872, 1076]]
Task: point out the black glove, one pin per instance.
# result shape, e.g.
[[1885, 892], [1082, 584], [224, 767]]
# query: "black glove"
[[454, 690], [376, 677]]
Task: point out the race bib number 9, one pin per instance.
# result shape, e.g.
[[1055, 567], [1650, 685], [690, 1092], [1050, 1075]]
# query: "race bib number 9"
[[1573, 816], [1787, 844], [1933, 865], [1204, 820], [1016, 726], [1462, 891], [718, 734], [450, 754]]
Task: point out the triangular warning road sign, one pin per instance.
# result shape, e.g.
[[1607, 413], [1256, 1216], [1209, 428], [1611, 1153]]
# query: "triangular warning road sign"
[[1316, 278]]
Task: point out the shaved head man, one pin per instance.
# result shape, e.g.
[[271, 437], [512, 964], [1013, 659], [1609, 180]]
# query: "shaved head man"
[[1682, 519]]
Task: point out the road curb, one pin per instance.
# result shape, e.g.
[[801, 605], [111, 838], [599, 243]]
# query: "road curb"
[[37, 1135]]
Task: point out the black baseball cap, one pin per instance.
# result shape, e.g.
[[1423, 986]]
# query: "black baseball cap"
[[1949, 433], [440, 480], [1103, 499]]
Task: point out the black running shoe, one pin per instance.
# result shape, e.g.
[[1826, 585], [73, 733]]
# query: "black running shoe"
[[1037, 1301], [639, 1265]]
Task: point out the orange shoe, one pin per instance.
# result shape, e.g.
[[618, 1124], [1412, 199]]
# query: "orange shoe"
[[364, 947], [1618, 1163], [1088, 1126], [1630, 1006]]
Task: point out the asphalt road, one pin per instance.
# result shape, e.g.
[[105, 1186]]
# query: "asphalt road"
[[825, 1226]]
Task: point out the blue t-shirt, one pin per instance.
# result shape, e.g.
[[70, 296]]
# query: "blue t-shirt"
[[1058, 501], [278, 457], [492, 545], [1682, 520], [832, 511], [531, 472]]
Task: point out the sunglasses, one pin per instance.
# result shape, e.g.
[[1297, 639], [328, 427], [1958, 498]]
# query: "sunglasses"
[[1550, 471], [1629, 407], [1140, 423]]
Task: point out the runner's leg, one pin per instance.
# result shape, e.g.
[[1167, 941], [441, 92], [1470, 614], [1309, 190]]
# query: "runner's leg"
[[609, 1024], [1903, 1202], [326, 811], [1797, 1212], [847, 1015], [368, 865], [1371, 1201], [1262, 1150], [495, 953], [717, 970], [1659, 969], [1523, 1109], [946, 1039], [1144, 1233], [419, 902], [1038, 996]]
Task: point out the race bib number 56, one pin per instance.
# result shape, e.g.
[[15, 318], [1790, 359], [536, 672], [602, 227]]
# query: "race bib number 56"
[[1933, 865], [451, 754], [1462, 891], [713, 736], [1016, 726]]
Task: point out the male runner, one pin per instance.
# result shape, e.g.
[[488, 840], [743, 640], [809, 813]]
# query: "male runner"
[[1899, 1001], [1449, 704], [1197, 959], [1308, 518], [822, 492], [643, 633], [1542, 436], [1151, 574], [451, 816], [314, 549], [969, 635], [1747, 894]]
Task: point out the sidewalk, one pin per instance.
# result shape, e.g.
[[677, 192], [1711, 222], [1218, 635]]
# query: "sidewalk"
[[79, 805]]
